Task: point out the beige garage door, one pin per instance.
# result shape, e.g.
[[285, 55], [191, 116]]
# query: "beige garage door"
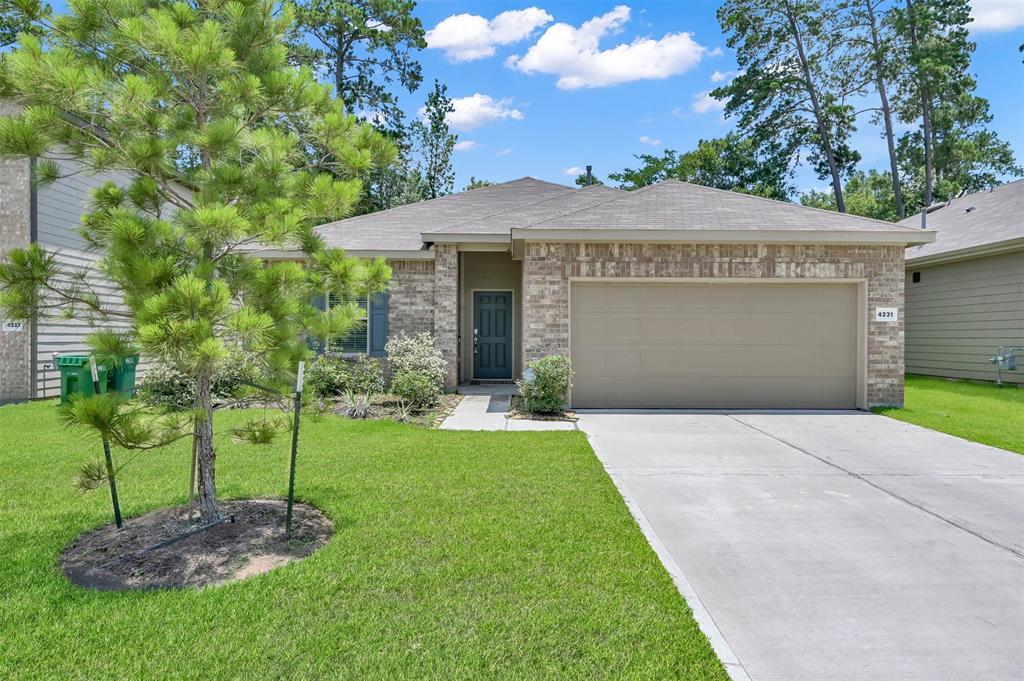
[[714, 345]]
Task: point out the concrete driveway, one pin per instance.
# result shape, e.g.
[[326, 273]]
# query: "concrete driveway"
[[837, 545]]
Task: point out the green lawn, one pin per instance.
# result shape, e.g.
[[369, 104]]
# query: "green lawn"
[[981, 412], [456, 555]]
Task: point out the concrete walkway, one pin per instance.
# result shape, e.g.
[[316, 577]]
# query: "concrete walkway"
[[837, 545], [484, 407]]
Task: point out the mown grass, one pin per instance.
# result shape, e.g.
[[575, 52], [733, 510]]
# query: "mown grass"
[[457, 555], [981, 412]]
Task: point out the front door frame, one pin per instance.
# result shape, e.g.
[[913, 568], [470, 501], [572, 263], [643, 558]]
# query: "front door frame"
[[512, 331]]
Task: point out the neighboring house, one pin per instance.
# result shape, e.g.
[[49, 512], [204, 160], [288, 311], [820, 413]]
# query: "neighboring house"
[[675, 295], [965, 290], [49, 216]]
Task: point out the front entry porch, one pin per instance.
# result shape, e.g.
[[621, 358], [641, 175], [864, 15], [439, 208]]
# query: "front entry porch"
[[490, 331]]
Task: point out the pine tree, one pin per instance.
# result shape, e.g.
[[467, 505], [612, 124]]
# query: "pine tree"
[[434, 143], [195, 102], [792, 90], [365, 46]]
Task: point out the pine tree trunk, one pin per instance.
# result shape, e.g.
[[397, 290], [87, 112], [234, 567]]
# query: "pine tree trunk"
[[819, 116], [926, 110], [883, 95], [206, 457]]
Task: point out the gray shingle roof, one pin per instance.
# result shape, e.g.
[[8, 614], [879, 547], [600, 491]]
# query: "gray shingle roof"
[[399, 229], [679, 205], [529, 204], [985, 218], [502, 221]]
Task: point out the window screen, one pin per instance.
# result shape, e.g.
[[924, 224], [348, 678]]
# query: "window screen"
[[358, 339]]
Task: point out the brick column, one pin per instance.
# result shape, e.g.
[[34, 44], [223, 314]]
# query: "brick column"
[[446, 306], [15, 232]]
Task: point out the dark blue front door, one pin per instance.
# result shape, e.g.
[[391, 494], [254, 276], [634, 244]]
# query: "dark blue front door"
[[492, 334]]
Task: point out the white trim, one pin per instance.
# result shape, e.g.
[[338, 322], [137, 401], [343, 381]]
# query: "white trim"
[[861, 348], [902, 235], [512, 331], [985, 250]]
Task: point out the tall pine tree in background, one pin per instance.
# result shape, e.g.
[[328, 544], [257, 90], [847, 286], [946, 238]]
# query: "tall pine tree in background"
[[433, 144], [365, 47], [792, 89], [952, 151], [227, 146]]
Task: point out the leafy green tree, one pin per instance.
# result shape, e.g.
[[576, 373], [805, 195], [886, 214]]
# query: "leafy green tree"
[[868, 194], [476, 184], [366, 46], [196, 103], [433, 144], [733, 162], [582, 181], [793, 87]]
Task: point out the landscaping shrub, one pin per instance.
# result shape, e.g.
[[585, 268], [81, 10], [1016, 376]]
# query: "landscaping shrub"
[[164, 386], [417, 369], [545, 386], [365, 376], [418, 388], [327, 376]]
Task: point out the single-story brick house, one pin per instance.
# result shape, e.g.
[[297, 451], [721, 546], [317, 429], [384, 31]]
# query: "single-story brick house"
[[675, 295], [965, 290]]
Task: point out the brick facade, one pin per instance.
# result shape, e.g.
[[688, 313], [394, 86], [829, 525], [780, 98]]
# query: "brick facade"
[[15, 232], [446, 309], [411, 306], [548, 267]]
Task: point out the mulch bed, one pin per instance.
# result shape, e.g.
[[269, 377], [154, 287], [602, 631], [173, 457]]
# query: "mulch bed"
[[517, 410], [117, 560], [388, 407]]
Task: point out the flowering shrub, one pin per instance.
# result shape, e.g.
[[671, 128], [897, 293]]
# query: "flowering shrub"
[[417, 369]]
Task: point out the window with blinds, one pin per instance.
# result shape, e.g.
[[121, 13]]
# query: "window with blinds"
[[358, 340]]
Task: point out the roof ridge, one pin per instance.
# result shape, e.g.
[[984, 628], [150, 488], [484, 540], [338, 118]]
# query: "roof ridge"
[[507, 210], [794, 205], [626, 194]]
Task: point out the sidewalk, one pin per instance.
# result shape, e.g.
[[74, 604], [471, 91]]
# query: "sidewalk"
[[484, 407]]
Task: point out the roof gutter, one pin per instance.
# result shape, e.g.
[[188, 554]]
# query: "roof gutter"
[[464, 237], [902, 236], [281, 254], [1009, 246]]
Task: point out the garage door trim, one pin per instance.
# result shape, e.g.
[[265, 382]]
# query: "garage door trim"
[[861, 307]]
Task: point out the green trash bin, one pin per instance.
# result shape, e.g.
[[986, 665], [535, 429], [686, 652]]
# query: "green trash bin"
[[76, 376], [122, 378]]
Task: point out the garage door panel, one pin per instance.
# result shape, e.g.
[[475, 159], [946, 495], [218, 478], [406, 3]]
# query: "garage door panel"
[[714, 345]]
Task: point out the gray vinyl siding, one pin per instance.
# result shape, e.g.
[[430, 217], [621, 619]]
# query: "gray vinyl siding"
[[59, 210], [960, 312]]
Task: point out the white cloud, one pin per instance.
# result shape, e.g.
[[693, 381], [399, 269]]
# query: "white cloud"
[[503, 152], [650, 140], [723, 76], [573, 171], [465, 37], [575, 56], [703, 102], [996, 15], [477, 109], [465, 145]]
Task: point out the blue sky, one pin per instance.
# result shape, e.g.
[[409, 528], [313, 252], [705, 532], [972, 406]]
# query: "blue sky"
[[538, 102]]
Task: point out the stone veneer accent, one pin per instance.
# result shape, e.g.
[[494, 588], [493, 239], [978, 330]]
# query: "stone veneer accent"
[[548, 267], [15, 232], [446, 309]]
